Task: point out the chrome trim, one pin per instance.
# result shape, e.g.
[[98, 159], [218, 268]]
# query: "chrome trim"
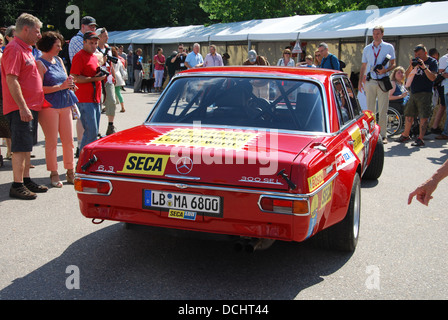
[[207, 187], [173, 176], [98, 180]]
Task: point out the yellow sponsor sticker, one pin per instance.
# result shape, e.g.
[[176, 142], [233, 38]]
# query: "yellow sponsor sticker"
[[218, 139], [148, 164], [316, 181], [180, 214], [357, 140], [326, 195]]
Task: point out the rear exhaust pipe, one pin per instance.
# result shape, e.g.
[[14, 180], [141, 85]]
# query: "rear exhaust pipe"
[[258, 244], [240, 244]]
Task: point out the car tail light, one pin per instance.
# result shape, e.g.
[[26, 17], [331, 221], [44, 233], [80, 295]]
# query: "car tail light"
[[93, 186], [284, 205]]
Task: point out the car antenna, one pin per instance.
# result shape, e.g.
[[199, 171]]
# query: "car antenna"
[[282, 174]]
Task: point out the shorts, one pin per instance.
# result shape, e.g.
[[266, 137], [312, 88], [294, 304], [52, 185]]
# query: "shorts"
[[419, 105], [22, 133]]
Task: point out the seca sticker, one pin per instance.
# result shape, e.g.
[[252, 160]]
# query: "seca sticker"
[[148, 164], [326, 195], [207, 138]]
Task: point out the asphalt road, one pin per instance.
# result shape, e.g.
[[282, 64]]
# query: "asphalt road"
[[48, 250]]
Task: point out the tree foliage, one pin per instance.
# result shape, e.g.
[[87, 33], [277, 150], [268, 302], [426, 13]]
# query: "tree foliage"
[[140, 14]]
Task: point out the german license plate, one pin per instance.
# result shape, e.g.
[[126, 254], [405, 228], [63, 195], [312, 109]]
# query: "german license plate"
[[166, 201]]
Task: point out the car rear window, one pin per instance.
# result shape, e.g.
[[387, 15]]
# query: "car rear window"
[[243, 102]]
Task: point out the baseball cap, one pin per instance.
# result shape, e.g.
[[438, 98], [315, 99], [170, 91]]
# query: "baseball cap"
[[252, 55], [88, 20], [90, 35]]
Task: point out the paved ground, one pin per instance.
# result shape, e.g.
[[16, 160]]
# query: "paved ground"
[[401, 252]]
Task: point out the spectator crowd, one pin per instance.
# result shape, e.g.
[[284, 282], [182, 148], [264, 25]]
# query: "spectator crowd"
[[46, 82]]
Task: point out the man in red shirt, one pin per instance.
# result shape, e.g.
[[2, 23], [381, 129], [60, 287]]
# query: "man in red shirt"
[[88, 79], [23, 97]]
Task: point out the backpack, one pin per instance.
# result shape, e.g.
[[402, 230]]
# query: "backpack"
[[342, 64]]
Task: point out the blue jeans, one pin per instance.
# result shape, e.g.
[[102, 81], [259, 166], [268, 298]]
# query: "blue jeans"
[[90, 119]]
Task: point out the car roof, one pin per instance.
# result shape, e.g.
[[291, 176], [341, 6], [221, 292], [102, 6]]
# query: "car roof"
[[317, 73]]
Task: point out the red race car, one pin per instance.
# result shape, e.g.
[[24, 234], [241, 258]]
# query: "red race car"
[[260, 153]]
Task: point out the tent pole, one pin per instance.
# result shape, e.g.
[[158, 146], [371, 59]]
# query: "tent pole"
[[366, 36], [152, 55]]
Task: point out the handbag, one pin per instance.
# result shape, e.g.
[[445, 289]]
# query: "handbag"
[[385, 84], [76, 114], [124, 73]]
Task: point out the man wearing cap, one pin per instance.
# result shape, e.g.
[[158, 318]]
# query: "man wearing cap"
[[375, 54], [254, 59], [76, 44], [423, 69], [86, 73]]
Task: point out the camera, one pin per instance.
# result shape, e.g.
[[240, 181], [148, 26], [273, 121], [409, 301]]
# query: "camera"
[[415, 62], [381, 66], [112, 59], [102, 71]]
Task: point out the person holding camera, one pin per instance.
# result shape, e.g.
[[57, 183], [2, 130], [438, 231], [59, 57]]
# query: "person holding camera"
[[109, 83], [378, 59], [423, 69], [88, 77]]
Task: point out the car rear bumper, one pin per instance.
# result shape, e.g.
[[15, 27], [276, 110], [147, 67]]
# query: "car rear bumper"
[[241, 212]]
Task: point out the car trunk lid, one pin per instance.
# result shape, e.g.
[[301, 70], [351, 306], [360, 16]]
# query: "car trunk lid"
[[217, 156]]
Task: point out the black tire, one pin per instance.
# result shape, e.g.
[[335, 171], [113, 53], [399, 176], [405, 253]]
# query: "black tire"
[[344, 235], [376, 165]]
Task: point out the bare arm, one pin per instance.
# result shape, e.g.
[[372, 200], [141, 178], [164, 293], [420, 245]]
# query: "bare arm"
[[83, 79], [423, 193]]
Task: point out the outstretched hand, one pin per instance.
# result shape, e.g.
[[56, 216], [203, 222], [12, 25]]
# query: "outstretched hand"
[[423, 193]]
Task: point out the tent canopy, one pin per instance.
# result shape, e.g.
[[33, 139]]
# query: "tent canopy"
[[426, 18]]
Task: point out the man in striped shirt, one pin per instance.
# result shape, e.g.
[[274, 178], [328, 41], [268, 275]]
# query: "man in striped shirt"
[[76, 43]]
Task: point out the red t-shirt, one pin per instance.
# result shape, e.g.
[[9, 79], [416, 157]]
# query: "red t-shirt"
[[18, 60], [86, 64], [161, 59]]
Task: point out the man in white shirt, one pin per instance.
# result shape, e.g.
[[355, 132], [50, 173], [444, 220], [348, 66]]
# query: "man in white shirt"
[[374, 55], [213, 59]]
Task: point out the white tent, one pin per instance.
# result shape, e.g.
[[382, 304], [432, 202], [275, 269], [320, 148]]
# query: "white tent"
[[427, 18]]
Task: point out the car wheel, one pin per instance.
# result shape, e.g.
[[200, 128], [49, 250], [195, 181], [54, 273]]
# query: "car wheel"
[[343, 236], [375, 167]]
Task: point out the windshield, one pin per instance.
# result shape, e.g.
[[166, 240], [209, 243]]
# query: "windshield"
[[243, 102]]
